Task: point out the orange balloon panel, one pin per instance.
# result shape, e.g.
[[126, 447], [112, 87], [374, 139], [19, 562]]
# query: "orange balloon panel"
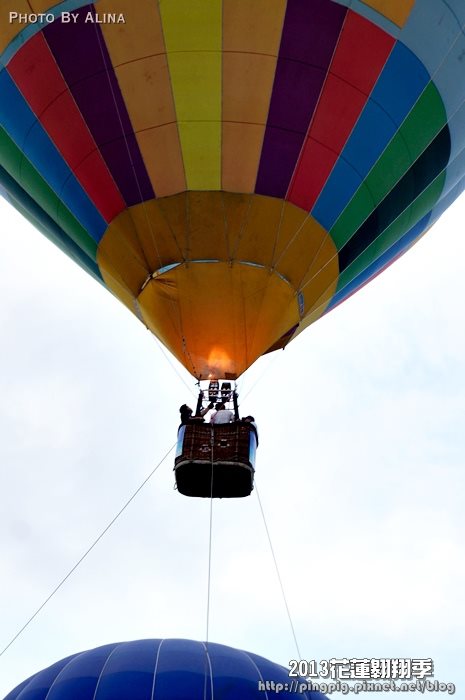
[[216, 276]]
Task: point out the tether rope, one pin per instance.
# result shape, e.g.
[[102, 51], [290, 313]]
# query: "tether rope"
[[299, 655], [210, 540], [87, 552], [207, 658]]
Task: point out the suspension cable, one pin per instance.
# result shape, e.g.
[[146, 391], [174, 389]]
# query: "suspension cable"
[[299, 655], [266, 369], [87, 552], [172, 365]]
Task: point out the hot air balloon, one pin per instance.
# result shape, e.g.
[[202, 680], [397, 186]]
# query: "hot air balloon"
[[163, 669], [232, 170]]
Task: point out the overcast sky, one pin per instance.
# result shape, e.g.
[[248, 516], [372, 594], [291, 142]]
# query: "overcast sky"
[[360, 470]]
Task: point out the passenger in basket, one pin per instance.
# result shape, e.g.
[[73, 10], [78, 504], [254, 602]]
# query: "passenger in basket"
[[187, 417], [251, 420], [222, 415]]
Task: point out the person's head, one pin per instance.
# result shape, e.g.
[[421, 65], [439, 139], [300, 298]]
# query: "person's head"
[[249, 419], [185, 410], [220, 406]]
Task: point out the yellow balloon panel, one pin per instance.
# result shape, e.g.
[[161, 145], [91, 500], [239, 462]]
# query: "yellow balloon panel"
[[397, 11], [8, 30], [139, 37], [161, 150]]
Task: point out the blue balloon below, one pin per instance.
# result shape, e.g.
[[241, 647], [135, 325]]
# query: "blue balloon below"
[[162, 669]]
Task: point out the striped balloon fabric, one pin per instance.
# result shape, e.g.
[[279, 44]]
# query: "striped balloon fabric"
[[232, 169], [168, 669]]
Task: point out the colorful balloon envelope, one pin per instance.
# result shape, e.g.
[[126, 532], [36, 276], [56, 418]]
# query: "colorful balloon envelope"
[[233, 169], [167, 669]]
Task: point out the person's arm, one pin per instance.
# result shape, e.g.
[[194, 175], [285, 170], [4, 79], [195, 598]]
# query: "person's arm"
[[203, 411]]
